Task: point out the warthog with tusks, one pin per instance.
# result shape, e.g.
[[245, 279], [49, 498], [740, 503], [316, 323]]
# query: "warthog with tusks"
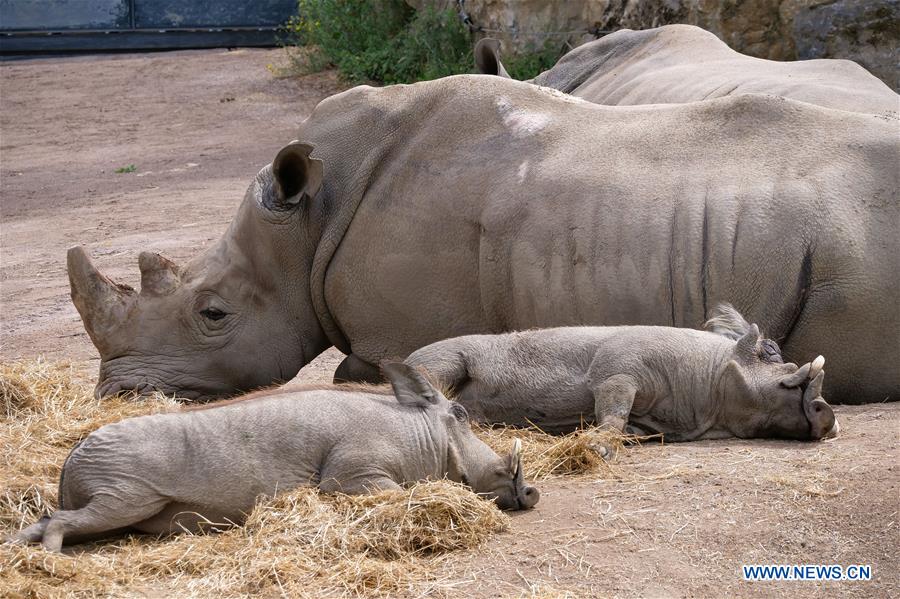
[[687, 384], [172, 472]]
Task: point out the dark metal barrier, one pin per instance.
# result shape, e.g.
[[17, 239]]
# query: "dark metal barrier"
[[29, 26]]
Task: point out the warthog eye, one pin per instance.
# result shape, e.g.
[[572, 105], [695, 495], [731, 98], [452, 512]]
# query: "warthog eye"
[[213, 314], [771, 352]]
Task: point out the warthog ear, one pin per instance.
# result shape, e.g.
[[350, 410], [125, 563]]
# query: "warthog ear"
[[748, 348], [487, 58], [459, 412], [297, 176], [727, 321], [734, 377], [410, 387]]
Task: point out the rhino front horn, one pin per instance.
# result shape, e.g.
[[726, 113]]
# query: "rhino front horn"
[[100, 301]]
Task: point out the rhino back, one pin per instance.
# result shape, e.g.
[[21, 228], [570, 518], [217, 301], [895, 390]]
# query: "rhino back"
[[507, 207], [682, 63]]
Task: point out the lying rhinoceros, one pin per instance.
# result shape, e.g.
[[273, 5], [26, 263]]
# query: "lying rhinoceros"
[[682, 63], [171, 472], [683, 383], [475, 204]]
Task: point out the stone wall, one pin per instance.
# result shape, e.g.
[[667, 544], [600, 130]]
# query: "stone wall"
[[867, 31]]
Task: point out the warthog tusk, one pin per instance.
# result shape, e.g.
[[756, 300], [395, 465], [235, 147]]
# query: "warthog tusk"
[[816, 367], [517, 448]]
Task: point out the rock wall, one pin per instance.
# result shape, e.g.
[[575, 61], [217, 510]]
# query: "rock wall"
[[867, 31]]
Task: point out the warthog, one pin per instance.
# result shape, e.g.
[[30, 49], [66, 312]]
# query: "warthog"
[[684, 383], [682, 63], [171, 472]]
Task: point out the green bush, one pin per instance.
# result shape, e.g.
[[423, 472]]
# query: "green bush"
[[386, 41], [529, 64]]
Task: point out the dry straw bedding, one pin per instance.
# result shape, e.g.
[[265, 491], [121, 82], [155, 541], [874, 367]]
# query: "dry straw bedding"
[[301, 543]]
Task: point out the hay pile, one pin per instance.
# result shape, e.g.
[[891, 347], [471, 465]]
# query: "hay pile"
[[299, 544], [547, 455]]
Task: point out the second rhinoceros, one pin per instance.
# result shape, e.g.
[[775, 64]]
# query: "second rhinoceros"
[[167, 473], [682, 63], [683, 383], [476, 204]]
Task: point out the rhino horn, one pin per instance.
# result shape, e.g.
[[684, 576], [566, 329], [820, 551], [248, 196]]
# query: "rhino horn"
[[159, 275], [102, 303]]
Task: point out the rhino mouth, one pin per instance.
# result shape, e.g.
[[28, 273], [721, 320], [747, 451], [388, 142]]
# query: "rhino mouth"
[[143, 388]]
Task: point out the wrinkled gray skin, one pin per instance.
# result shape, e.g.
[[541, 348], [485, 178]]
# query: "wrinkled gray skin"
[[684, 383], [475, 204], [675, 64], [171, 472]]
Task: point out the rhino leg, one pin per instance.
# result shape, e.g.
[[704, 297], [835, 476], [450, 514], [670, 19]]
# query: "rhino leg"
[[356, 370], [613, 399], [96, 517]]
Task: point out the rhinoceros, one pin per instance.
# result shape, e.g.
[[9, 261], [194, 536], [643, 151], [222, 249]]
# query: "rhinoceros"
[[674, 64], [683, 383], [476, 204], [167, 473]]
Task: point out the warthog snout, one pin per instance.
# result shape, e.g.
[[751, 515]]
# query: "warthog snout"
[[821, 418], [529, 498]]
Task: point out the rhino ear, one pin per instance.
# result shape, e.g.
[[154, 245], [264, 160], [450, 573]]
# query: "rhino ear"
[[487, 58], [297, 176], [410, 387]]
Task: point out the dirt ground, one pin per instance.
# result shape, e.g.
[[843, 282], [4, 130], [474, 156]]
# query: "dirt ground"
[[673, 520]]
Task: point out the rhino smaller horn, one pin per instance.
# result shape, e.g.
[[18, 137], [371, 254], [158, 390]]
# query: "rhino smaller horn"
[[159, 275], [100, 302]]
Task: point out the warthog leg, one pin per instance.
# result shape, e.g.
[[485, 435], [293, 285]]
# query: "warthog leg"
[[95, 517], [32, 534], [613, 399]]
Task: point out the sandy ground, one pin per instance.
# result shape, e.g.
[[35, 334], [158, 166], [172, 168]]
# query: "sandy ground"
[[674, 520]]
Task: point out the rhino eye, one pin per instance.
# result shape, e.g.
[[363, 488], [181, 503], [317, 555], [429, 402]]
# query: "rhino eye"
[[212, 314]]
